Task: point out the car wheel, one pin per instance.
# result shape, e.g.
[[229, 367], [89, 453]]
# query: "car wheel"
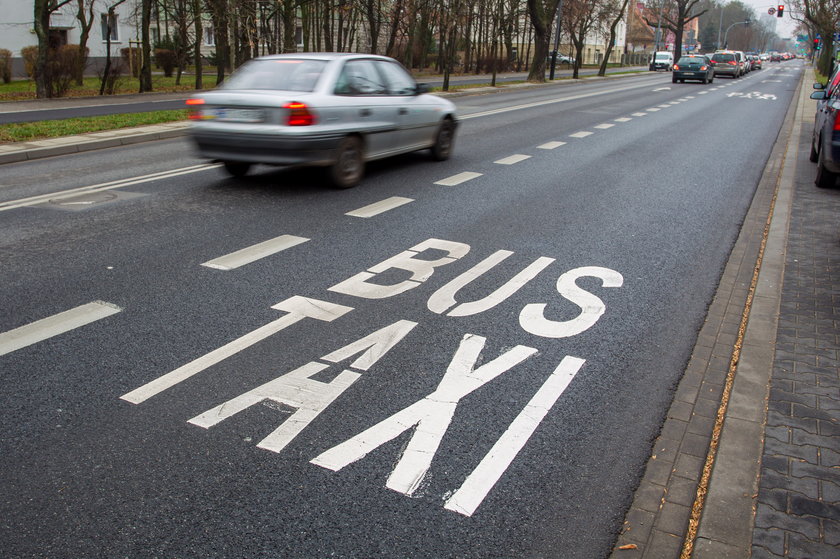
[[673, 80], [349, 164], [825, 178], [237, 168], [814, 156], [712, 79], [442, 148]]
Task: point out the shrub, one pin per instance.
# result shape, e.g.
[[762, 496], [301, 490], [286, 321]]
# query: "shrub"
[[131, 57], [109, 83], [62, 64], [167, 59], [6, 65], [30, 57]]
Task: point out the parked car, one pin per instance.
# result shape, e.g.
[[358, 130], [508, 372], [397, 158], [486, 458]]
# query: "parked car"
[[662, 61], [693, 67], [756, 61], [726, 64], [320, 109], [825, 139]]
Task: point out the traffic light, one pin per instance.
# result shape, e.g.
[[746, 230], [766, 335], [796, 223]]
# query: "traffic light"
[[816, 44], [780, 9]]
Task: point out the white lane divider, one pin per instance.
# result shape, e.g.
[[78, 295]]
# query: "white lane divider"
[[513, 159], [581, 134], [623, 119], [551, 145], [380, 207], [455, 180], [253, 253], [639, 114], [653, 110], [55, 325], [604, 126], [33, 200]]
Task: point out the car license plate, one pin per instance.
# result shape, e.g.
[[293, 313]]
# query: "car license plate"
[[238, 115]]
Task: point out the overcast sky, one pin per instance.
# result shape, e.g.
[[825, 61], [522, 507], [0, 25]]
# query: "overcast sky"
[[784, 25]]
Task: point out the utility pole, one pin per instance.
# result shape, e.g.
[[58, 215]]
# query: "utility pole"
[[556, 40]]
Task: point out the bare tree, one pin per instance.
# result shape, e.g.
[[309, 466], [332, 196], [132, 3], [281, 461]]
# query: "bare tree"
[[43, 10], [541, 14], [822, 17], [85, 16], [674, 17], [614, 9]]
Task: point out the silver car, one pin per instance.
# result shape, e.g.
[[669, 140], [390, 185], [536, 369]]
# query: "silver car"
[[320, 109]]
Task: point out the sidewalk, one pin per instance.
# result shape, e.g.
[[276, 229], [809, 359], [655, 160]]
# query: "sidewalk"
[[748, 460]]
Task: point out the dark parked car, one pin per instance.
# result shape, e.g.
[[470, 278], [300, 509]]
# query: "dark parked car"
[[320, 109], [695, 67], [825, 141]]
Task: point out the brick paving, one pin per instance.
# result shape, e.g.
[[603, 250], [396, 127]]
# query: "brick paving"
[[798, 510]]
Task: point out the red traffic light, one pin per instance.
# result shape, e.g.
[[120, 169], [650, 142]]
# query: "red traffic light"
[[780, 9]]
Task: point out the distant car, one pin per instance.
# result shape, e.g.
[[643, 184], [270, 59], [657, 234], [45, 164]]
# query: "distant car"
[[662, 61], [726, 64], [563, 59], [320, 109], [693, 67], [825, 140], [756, 61]]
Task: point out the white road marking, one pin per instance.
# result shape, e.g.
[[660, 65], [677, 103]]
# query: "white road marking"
[[33, 200], [675, 102], [431, 416], [663, 89], [458, 179], [604, 126], [551, 145], [491, 468], [653, 110], [582, 134], [253, 253], [380, 207], [690, 97], [513, 159], [297, 308], [665, 106], [550, 102], [623, 119], [639, 114], [55, 325], [703, 93]]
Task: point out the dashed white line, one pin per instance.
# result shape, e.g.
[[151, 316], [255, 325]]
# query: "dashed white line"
[[604, 126], [623, 119], [703, 93], [253, 253], [581, 134], [664, 106], [513, 159], [380, 207], [639, 114], [551, 145], [653, 110], [455, 180], [54, 325]]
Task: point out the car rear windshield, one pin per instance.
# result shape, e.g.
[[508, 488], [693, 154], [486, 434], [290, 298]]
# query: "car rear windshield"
[[287, 75], [662, 57], [723, 58], [693, 60]]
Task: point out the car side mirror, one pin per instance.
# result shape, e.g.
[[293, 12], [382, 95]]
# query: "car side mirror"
[[819, 95], [819, 85], [422, 88]]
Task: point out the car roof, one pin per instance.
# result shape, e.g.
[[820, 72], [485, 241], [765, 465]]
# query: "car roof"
[[321, 56]]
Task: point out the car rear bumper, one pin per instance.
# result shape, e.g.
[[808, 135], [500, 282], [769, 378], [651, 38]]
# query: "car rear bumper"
[[266, 148], [680, 75], [728, 71]]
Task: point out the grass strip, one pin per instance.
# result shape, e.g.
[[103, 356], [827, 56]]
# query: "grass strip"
[[28, 131]]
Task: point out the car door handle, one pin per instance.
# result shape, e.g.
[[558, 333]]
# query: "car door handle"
[[365, 112], [403, 111]]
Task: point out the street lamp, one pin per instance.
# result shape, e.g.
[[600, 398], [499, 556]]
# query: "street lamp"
[[725, 43]]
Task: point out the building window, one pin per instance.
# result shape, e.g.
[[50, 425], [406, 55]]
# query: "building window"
[[209, 35], [115, 33]]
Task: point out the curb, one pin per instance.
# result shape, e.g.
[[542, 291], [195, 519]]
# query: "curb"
[[663, 514], [28, 151]]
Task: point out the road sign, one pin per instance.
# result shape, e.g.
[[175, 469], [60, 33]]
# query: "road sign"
[[771, 11]]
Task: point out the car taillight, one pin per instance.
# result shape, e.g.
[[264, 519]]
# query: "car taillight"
[[676, 67], [195, 112], [732, 62], [837, 121], [299, 114]]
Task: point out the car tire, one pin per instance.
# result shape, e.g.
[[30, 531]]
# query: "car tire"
[[825, 178], [814, 155], [673, 80], [349, 166], [442, 148], [712, 79], [236, 169]]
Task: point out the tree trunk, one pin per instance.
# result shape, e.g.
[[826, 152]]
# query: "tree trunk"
[[199, 32], [541, 13], [146, 67], [42, 31], [602, 71]]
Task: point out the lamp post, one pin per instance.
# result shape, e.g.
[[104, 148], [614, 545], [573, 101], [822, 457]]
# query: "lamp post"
[[725, 44], [556, 40]]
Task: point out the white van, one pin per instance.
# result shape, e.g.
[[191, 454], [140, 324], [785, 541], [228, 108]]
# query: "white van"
[[662, 61]]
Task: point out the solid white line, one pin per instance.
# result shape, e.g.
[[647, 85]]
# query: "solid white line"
[[582, 134], [380, 207], [551, 101], [254, 253], [623, 119], [551, 145], [604, 126], [54, 325], [513, 159], [455, 180], [33, 200], [479, 483]]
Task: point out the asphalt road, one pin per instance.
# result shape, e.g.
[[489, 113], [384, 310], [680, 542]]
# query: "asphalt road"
[[74, 108], [535, 453]]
